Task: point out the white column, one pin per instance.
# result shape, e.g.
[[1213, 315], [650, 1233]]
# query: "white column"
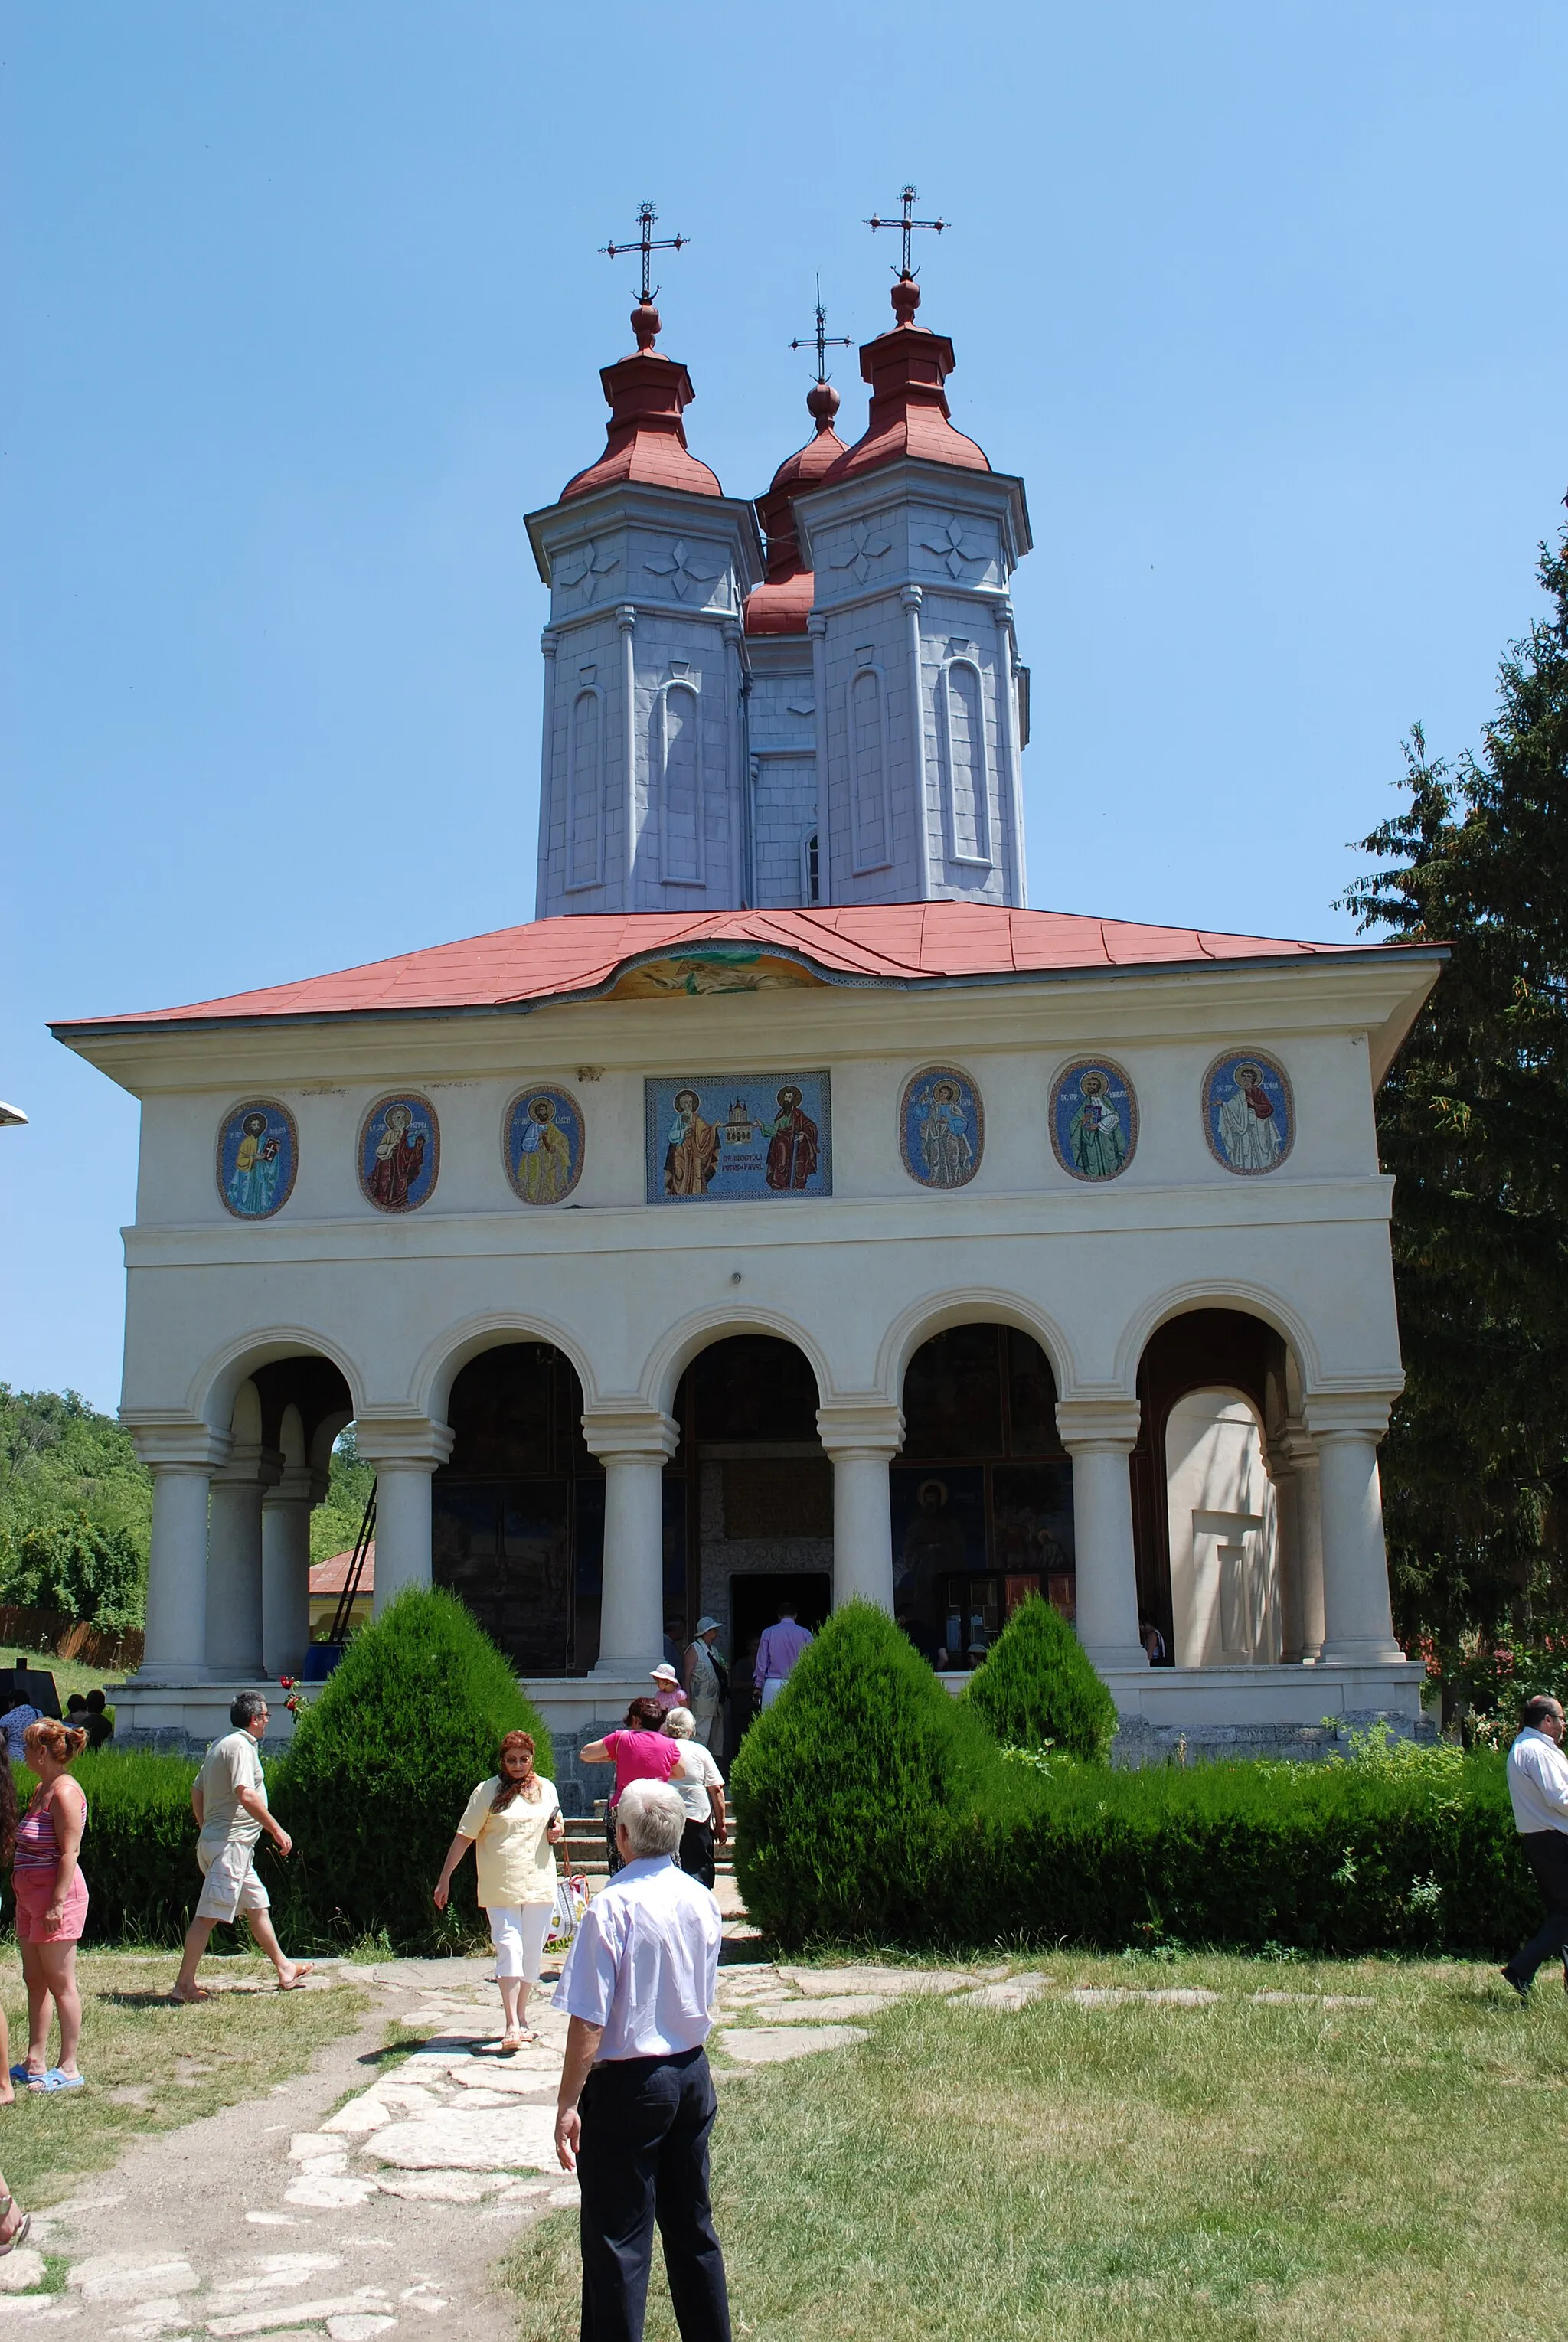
[[1293, 1461], [861, 1440], [817, 629], [234, 1562], [737, 792], [912, 599], [181, 1458], [633, 1444], [547, 642], [286, 1569], [1358, 1626], [1100, 1434], [403, 1451]]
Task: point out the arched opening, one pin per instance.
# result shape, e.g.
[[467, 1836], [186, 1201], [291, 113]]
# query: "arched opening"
[[284, 1416], [1206, 1520], [761, 1530], [982, 1492]]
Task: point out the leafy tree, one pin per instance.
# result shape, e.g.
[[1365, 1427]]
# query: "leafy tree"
[[80, 1566], [61, 1463], [335, 1524], [1472, 1122]]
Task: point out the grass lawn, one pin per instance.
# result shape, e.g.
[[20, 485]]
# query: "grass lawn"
[[1138, 2173], [151, 2066]]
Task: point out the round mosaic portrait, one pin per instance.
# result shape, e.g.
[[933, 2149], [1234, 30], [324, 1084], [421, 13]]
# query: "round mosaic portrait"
[[542, 1142], [941, 1127], [258, 1155], [1093, 1117], [1249, 1113], [399, 1152]]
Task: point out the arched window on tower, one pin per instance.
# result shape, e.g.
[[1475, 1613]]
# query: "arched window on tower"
[[680, 786], [585, 792], [967, 775], [810, 873], [868, 744]]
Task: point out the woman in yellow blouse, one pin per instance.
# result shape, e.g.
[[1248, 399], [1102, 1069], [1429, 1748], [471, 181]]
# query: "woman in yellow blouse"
[[511, 1820]]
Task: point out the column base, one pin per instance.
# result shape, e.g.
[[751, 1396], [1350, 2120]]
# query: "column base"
[[1120, 1656], [1361, 1654], [628, 1668]]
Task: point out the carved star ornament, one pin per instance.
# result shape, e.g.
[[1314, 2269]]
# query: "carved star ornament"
[[955, 547], [680, 570]]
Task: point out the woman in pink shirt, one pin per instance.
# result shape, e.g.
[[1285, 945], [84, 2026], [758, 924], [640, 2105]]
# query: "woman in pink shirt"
[[639, 1752]]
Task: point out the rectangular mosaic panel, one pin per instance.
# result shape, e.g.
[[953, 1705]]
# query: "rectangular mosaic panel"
[[730, 1138]]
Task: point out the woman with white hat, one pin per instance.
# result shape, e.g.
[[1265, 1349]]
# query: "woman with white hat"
[[707, 1681]]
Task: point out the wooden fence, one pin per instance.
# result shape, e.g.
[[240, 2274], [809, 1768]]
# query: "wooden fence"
[[69, 1638]]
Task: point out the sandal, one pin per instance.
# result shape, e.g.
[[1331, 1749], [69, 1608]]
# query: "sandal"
[[54, 2079], [19, 2234]]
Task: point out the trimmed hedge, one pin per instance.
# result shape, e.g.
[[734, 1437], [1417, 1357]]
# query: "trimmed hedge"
[[379, 1770], [138, 1856], [1036, 1687], [866, 1815]]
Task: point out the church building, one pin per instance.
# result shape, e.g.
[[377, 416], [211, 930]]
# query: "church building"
[[787, 1212]]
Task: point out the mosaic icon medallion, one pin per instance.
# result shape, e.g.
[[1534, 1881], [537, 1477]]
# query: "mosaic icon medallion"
[[399, 1152], [941, 1127], [258, 1155], [1093, 1117], [542, 1142]]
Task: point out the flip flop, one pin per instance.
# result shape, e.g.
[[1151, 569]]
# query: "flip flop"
[[19, 2073], [490, 2050], [55, 2080], [18, 2234], [298, 1978]]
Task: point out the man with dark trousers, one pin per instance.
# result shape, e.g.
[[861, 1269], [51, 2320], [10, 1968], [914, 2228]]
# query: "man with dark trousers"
[[636, 2103], [1538, 1790]]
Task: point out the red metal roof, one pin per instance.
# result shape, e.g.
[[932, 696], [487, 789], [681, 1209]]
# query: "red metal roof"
[[891, 943], [331, 1576]]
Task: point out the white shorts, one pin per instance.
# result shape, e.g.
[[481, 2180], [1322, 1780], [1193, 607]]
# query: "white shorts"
[[772, 1689], [230, 1885], [518, 1934]]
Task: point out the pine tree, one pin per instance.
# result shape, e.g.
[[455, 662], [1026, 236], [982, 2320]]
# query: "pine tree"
[[1473, 1124]]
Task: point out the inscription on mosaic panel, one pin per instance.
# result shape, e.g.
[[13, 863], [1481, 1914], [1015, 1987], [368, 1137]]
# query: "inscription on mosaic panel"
[[730, 1137]]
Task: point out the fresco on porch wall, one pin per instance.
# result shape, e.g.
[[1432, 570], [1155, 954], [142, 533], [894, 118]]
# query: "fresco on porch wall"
[[399, 1152], [730, 1138], [941, 1127], [542, 1144], [1094, 1119], [257, 1157], [1249, 1113]]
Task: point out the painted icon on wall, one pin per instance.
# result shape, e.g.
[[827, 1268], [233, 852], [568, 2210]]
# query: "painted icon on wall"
[[729, 1136], [399, 1152], [1249, 1113], [542, 1140], [941, 1127], [1094, 1119], [258, 1155]]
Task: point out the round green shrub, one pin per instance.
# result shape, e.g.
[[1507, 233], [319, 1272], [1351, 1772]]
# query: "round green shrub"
[[1035, 1686], [381, 1766], [845, 1787]]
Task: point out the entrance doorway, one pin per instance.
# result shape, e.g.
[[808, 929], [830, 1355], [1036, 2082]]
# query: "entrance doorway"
[[757, 1597]]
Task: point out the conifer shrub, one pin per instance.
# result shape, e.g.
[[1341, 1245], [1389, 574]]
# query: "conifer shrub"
[[380, 1768], [1037, 1688], [844, 1786]]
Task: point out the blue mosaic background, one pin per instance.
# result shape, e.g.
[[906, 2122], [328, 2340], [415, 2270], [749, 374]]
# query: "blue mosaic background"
[[724, 1137], [257, 1166], [1094, 1132], [941, 1127], [543, 1152]]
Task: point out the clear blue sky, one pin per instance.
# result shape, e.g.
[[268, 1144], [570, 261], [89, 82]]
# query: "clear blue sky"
[[1267, 303]]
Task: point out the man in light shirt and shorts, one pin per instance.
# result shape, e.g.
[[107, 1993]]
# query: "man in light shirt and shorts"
[[228, 1799], [1538, 1792]]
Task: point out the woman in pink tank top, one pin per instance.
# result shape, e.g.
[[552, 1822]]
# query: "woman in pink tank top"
[[51, 1902]]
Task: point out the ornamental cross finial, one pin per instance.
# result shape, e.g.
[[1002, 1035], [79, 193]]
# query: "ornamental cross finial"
[[821, 341], [645, 316], [908, 199]]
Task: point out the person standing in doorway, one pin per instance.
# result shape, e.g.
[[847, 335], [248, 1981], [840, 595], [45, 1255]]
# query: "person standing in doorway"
[[777, 1653], [228, 1799], [634, 2114], [707, 1682], [1538, 1792]]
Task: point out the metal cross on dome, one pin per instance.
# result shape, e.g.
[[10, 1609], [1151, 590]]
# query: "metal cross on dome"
[[908, 199], [821, 341], [647, 244]]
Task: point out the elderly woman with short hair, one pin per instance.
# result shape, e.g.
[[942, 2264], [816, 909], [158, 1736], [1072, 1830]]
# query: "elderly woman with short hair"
[[700, 1785]]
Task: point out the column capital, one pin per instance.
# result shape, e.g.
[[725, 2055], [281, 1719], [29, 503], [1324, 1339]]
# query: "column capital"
[[1002, 611], [1107, 1422], [912, 598], [249, 1465], [1291, 1448], [626, 618], [176, 1443], [1362, 1415], [405, 1442], [867, 1428], [629, 1430], [816, 624], [298, 1485], [549, 643]]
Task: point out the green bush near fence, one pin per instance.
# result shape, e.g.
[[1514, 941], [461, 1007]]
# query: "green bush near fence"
[[1398, 1849], [1036, 1687]]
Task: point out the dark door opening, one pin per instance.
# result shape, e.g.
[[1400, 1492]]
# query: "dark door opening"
[[755, 1600]]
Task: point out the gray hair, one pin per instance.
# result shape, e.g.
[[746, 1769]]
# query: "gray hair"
[[246, 1708], [653, 1817], [680, 1724]]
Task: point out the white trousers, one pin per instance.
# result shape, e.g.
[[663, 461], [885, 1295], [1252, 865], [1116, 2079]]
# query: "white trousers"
[[518, 1934], [772, 1689]]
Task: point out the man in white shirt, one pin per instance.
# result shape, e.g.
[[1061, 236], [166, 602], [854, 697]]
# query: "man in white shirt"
[[1538, 1791], [636, 2103]]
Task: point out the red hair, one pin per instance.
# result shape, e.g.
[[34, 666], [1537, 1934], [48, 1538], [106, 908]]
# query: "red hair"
[[507, 1788]]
